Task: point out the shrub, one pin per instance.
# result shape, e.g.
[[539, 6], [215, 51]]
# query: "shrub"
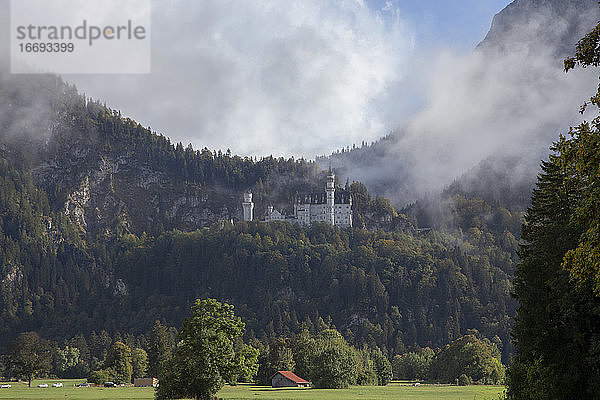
[[464, 380]]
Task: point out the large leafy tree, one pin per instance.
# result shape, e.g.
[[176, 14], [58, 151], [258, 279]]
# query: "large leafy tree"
[[580, 156], [205, 357], [335, 364], [29, 356], [468, 355], [556, 333], [119, 360], [66, 361]]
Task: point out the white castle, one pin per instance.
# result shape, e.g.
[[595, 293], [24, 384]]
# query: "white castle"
[[332, 207]]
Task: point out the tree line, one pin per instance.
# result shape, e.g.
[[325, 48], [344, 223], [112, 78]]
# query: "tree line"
[[99, 358], [209, 351]]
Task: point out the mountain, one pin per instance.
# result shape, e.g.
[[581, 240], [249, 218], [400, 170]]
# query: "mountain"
[[107, 225], [503, 105], [541, 24]]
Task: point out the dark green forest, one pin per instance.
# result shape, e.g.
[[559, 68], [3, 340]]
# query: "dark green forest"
[[556, 331], [87, 250], [393, 289]]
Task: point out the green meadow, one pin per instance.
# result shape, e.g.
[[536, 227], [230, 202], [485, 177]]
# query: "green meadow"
[[392, 391], [20, 391]]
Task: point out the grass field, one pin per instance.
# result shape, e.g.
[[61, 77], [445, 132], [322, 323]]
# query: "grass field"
[[20, 391], [393, 391]]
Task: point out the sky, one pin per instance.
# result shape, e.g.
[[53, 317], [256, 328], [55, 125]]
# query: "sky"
[[289, 78], [461, 24]]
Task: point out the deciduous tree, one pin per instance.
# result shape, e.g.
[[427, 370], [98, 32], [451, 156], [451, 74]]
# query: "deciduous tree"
[[335, 362], [29, 356], [119, 359], [470, 356], [139, 362], [205, 357], [382, 366]]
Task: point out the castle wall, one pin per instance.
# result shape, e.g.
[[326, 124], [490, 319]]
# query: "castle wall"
[[319, 208]]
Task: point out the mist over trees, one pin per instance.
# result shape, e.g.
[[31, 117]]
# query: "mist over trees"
[[467, 118]]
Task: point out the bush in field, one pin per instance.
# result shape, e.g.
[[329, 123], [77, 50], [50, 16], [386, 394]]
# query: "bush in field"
[[470, 356], [102, 375]]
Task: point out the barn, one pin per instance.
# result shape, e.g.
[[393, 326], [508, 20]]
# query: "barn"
[[288, 379], [145, 382]]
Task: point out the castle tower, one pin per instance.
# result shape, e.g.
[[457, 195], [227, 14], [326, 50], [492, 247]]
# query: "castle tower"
[[331, 198], [248, 207]]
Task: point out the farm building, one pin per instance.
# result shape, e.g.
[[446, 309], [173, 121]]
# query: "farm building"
[[145, 382], [288, 379]]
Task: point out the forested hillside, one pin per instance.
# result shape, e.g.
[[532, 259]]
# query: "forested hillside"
[[395, 290], [103, 234], [47, 277]]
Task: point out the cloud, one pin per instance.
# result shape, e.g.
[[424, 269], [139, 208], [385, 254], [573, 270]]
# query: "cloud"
[[480, 106], [508, 100], [300, 77]]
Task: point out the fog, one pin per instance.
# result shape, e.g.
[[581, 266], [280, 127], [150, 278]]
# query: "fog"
[[288, 78], [508, 100]]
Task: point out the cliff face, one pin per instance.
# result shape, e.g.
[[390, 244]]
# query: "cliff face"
[[113, 192], [534, 26]]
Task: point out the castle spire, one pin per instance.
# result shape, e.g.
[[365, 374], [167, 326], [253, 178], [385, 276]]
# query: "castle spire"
[[248, 206], [330, 198]]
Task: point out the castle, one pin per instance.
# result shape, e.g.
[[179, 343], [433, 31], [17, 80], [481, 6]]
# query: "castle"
[[332, 207]]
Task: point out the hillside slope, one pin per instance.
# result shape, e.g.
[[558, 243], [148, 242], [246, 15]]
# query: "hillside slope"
[[107, 249]]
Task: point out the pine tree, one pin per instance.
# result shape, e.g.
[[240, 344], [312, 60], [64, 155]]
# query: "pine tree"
[[557, 282], [556, 326], [159, 348]]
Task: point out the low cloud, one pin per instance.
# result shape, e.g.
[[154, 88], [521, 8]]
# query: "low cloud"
[[510, 99], [265, 77]]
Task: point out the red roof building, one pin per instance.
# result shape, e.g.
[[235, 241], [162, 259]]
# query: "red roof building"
[[288, 379]]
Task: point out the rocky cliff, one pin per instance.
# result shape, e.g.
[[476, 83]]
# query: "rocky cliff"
[[535, 26]]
